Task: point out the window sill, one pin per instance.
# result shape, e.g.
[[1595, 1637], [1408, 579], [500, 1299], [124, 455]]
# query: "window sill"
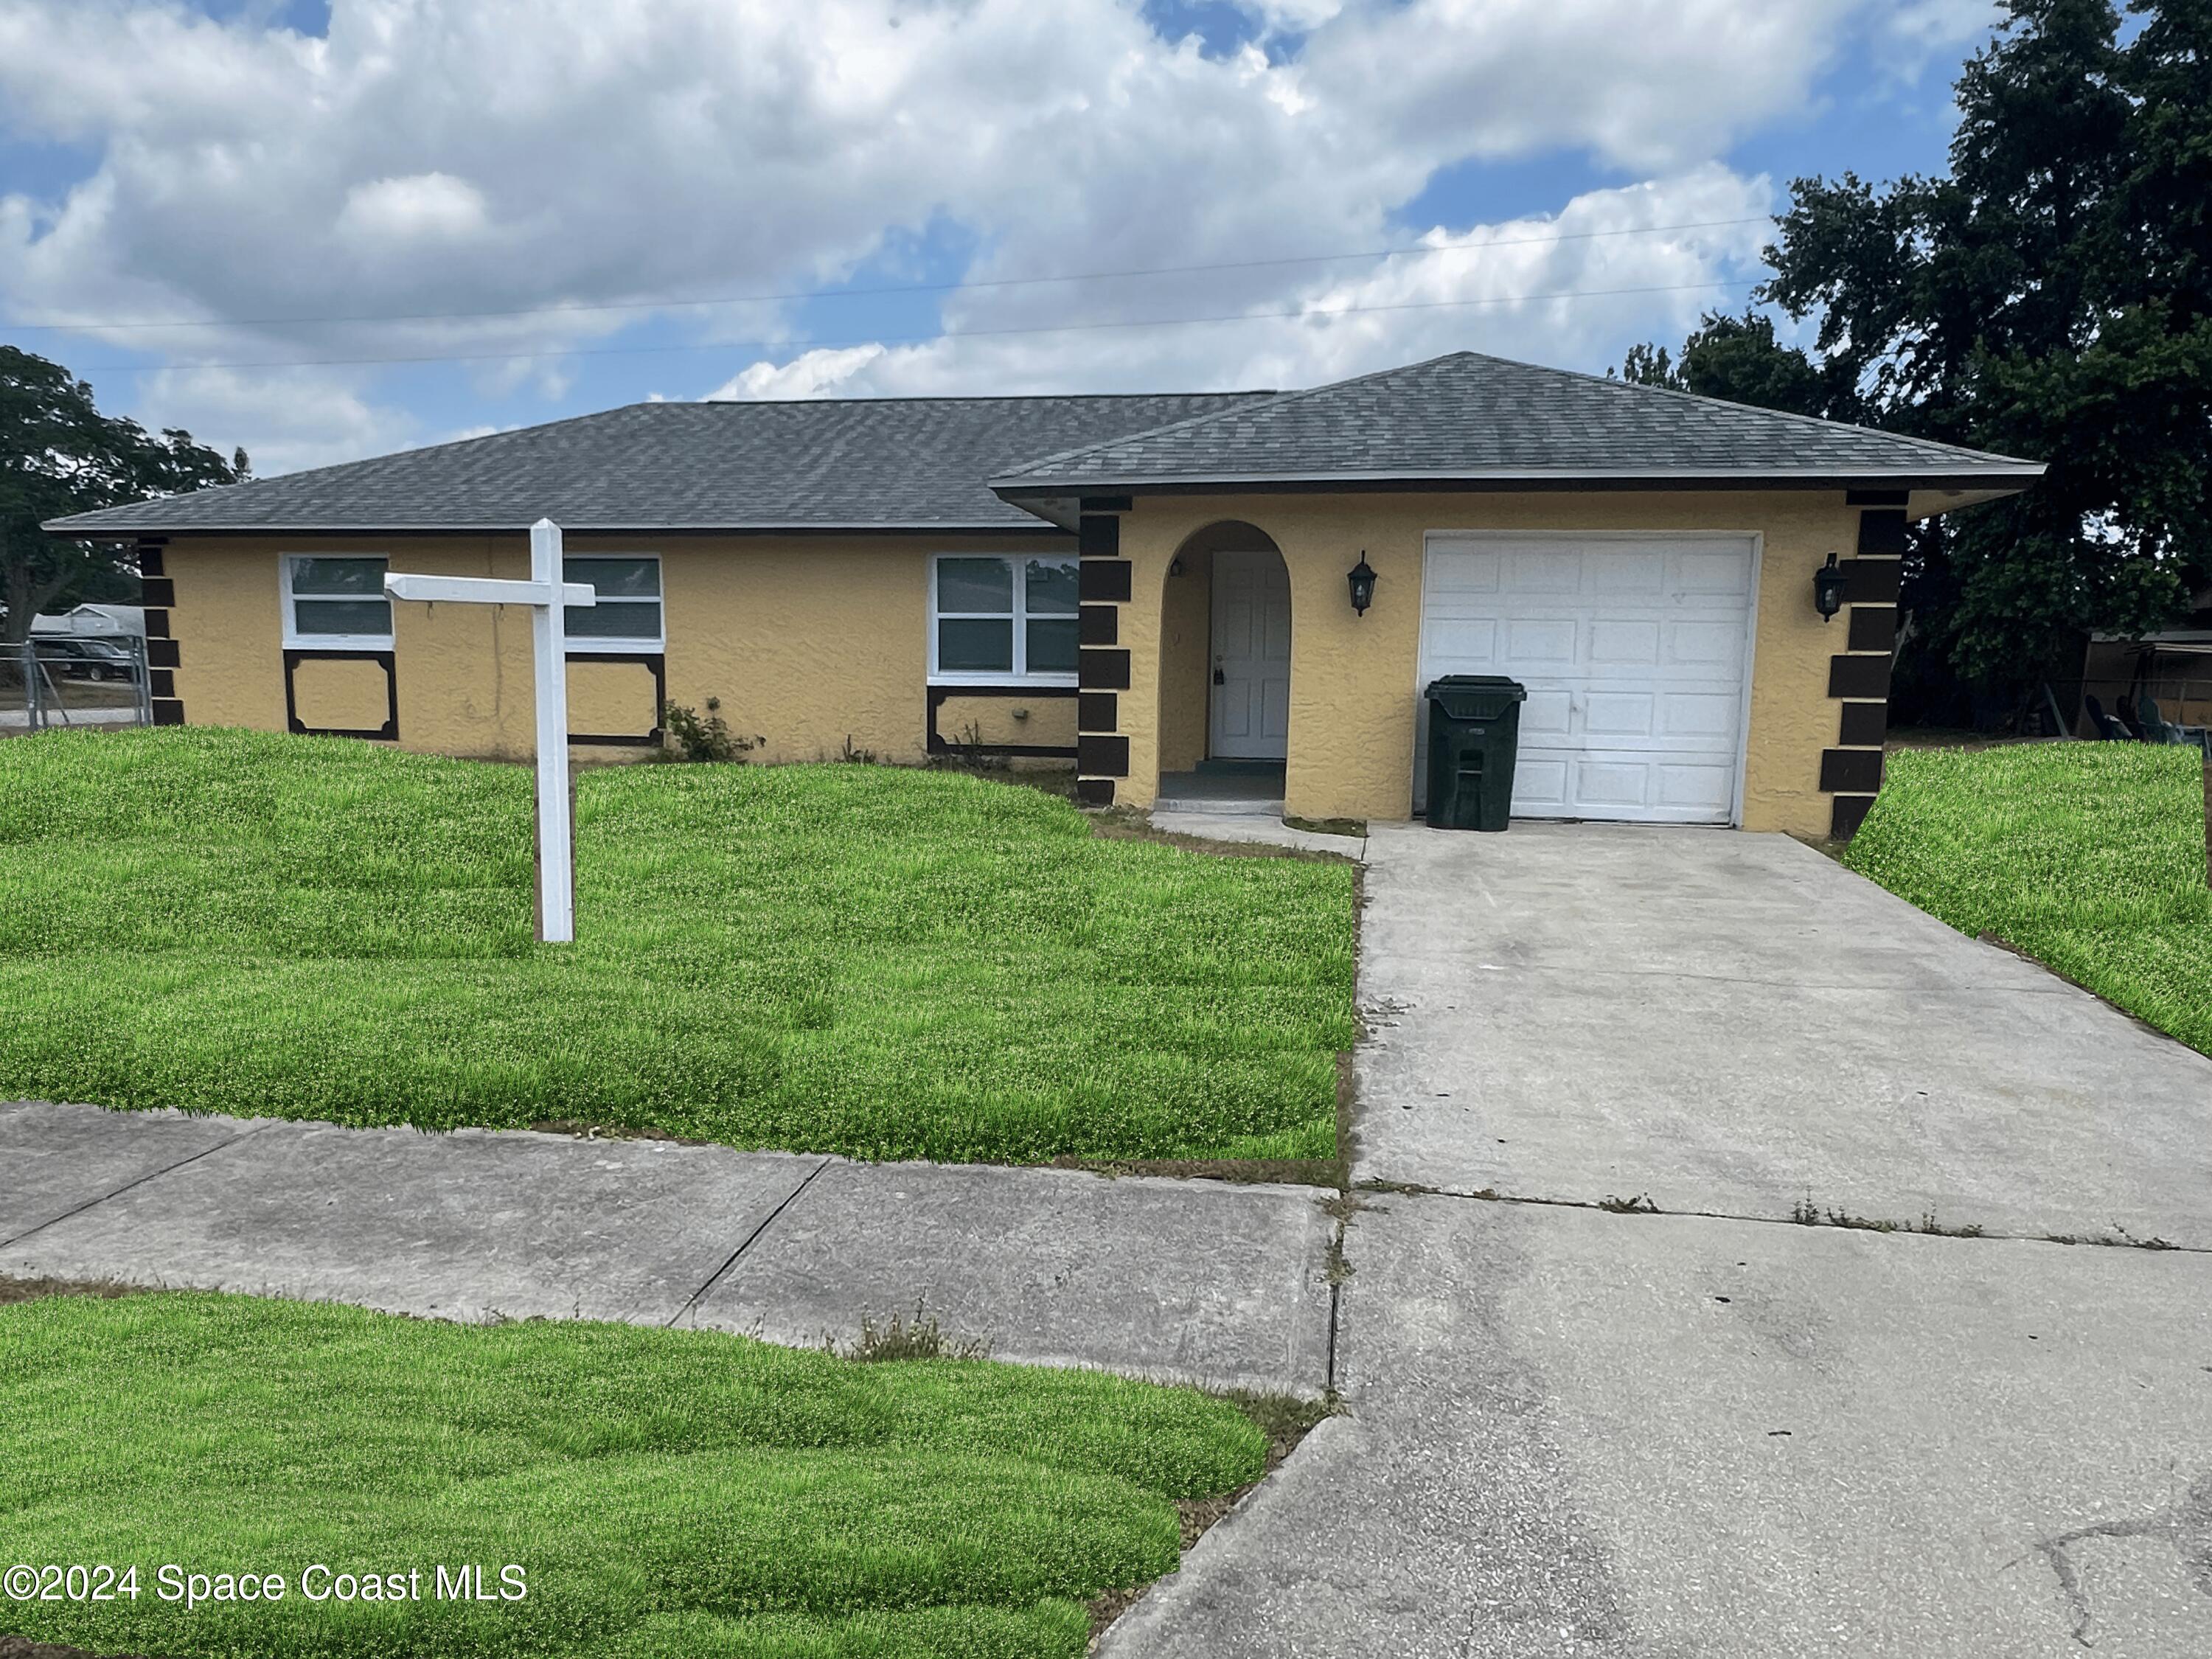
[[364, 643], [1032, 682], [613, 648]]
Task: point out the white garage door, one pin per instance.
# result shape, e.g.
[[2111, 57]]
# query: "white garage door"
[[1636, 651]]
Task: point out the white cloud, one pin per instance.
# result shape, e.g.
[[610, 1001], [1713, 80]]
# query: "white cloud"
[[1291, 16], [811, 373], [296, 417], [1924, 27], [1478, 290], [435, 156], [424, 208]]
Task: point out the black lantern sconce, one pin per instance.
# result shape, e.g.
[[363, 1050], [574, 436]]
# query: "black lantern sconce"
[[1828, 584], [1361, 577]]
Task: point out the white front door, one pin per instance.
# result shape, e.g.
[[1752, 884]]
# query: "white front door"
[[1635, 650], [1250, 703]]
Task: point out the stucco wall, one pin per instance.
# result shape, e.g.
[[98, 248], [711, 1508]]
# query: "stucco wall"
[[1041, 720], [807, 640], [1354, 701], [1185, 653]]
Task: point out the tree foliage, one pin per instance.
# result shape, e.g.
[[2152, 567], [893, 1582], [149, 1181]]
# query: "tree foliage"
[[58, 455], [1739, 358], [2050, 297]]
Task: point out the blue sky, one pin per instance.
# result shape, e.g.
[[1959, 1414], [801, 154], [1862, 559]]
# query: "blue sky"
[[302, 193]]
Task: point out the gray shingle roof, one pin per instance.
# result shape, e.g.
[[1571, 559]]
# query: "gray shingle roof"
[[903, 463], [1469, 417], [961, 463]]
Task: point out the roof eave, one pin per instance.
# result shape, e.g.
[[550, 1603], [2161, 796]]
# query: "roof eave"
[[70, 530]]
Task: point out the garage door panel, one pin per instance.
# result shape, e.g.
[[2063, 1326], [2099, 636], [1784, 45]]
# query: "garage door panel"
[[1610, 715], [1634, 574], [1546, 640], [1717, 645], [1709, 715], [1543, 570], [1548, 714], [1618, 642], [1634, 653], [1461, 641], [1470, 568], [1540, 784], [1712, 571], [1614, 782], [1707, 790]]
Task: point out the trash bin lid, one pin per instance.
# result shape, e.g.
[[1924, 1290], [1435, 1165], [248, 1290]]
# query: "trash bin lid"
[[1475, 696]]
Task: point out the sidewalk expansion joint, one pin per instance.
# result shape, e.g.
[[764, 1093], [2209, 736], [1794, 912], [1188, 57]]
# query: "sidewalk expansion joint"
[[767, 1221], [151, 1175], [1833, 1222]]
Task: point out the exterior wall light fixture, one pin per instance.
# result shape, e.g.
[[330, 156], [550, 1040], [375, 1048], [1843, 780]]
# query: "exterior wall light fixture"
[[1361, 577], [1828, 584]]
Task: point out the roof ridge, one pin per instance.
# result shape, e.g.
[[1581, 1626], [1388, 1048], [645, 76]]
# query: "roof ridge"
[[956, 398], [1274, 400]]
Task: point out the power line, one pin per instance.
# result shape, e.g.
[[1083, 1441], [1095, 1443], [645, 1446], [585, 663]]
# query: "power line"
[[585, 307], [920, 339]]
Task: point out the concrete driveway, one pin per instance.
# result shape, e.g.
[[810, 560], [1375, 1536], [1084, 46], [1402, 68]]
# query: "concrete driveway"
[[1714, 1431], [1735, 1025]]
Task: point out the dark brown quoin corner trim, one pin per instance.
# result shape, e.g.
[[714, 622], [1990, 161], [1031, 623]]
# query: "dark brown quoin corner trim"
[[1850, 813], [1859, 678], [1103, 757], [1864, 725], [1103, 581], [161, 656], [1102, 584], [1850, 771]]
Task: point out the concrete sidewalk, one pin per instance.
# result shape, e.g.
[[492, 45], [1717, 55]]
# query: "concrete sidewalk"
[[1225, 1286]]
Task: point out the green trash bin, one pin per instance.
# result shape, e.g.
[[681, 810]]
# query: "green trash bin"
[[1474, 731]]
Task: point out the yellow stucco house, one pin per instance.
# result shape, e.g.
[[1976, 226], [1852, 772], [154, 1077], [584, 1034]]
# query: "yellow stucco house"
[[1144, 586]]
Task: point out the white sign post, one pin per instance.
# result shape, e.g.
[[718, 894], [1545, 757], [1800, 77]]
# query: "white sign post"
[[547, 596]]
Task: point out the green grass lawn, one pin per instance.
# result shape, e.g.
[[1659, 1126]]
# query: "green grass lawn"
[[664, 1491], [857, 959], [2088, 856]]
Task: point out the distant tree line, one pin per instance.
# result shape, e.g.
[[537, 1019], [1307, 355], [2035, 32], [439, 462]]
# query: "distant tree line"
[[59, 455]]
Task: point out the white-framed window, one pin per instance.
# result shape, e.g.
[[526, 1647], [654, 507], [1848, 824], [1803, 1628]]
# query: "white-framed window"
[[335, 601], [628, 617], [1002, 619]]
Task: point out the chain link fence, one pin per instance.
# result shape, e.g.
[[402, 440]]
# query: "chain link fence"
[[73, 680]]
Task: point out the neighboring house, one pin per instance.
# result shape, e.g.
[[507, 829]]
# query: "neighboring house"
[[99, 621], [1169, 586]]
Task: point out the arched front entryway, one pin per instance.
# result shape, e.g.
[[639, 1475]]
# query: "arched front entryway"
[[1225, 667]]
